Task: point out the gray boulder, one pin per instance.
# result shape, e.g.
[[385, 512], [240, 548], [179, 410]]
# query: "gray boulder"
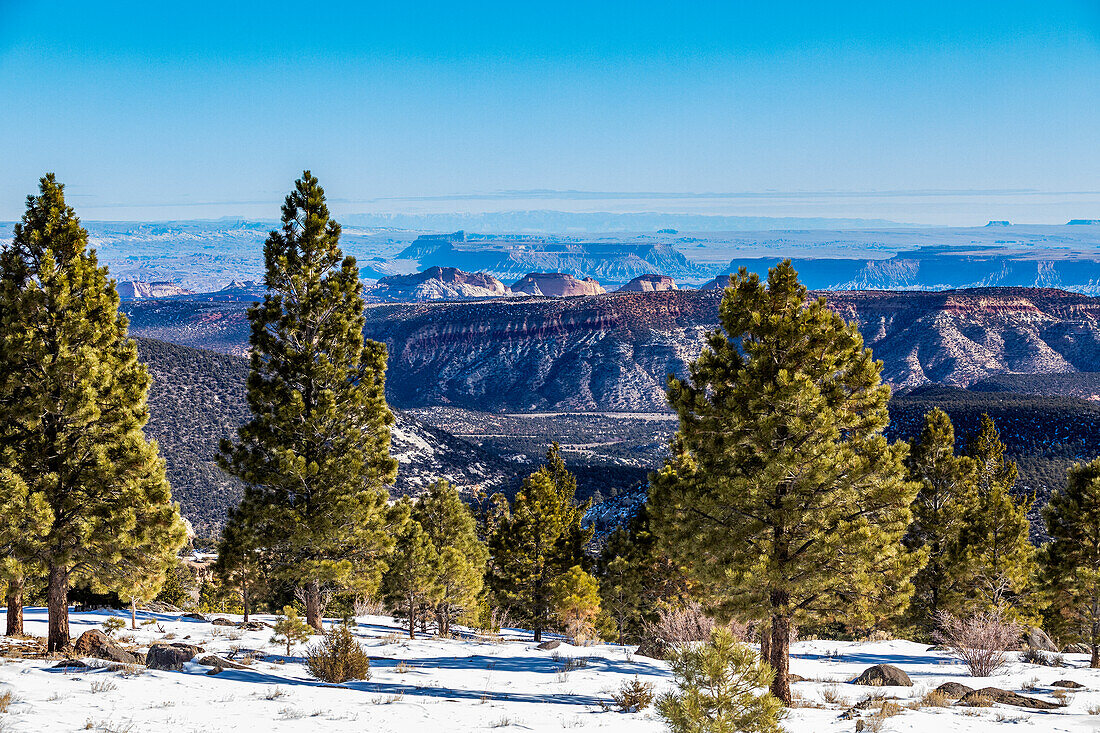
[[213, 660], [1068, 684], [170, 656], [1037, 640], [884, 675], [94, 643], [954, 690], [986, 695], [547, 645]]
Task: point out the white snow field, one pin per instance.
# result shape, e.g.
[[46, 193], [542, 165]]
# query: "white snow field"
[[437, 685]]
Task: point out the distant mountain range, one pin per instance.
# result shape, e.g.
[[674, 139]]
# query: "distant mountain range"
[[614, 351]]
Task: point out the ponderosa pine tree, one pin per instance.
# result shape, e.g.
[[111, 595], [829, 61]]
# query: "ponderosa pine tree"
[[411, 584], [636, 579], [21, 514], [575, 601], [946, 490], [783, 499], [241, 559], [1070, 562], [452, 530], [538, 540], [72, 410], [994, 560], [315, 458]]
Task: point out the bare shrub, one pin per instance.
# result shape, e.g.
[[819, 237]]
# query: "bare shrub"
[[676, 626], [366, 606], [981, 641], [633, 697], [338, 657]]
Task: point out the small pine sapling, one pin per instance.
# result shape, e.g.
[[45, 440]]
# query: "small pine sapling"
[[634, 697], [112, 624], [291, 629], [719, 689]]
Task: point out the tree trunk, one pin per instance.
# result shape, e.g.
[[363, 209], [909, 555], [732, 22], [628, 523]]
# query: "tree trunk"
[[133, 614], [313, 605], [412, 620], [57, 604], [15, 607], [766, 641], [244, 597], [1094, 663], [780, 652]]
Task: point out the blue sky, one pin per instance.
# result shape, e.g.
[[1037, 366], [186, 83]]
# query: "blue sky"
[[179, 110]]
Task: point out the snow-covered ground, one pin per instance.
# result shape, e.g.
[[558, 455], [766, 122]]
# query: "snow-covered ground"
[[440, 685]]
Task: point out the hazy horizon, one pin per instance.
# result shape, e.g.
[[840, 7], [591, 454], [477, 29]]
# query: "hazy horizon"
[[937, 113]]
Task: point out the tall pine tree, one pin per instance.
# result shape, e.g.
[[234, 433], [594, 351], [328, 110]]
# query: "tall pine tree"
[[411, 584], [72, 409], [1071, 560], [783, 498], [452, 530], [315, 458], [994, 558], [946, 489], [540, 539]]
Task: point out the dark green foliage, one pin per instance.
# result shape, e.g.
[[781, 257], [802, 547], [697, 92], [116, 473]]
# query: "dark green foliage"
[[636, 578], [178, 587], [462, 557], [993, 561], [411, 584], [314, 458], [72, 410], [539, 539], [783, 500], [1070, 562], [1044, 436], [338, 657], [946, 489], [717, 687]]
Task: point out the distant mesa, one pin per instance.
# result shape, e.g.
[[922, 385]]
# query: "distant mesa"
[[648, 284], [667, 231], [1076, 222], [719, 283], [556, 285], [999, 223], [138, 290], [236, 290], [438, 283]]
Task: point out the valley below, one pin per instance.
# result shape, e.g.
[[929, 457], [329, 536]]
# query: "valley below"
[[480, 388]]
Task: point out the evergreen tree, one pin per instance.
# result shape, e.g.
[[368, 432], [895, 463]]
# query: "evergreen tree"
[[534, 543], [946, 489], [636, 579], [575, 600], [994, 559], [782, 498], [21, 514], [241, 560], [412, 581], [452, 530], [1071, 560], [717, 687], [314, 458], [72, 409], [291, 629]]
